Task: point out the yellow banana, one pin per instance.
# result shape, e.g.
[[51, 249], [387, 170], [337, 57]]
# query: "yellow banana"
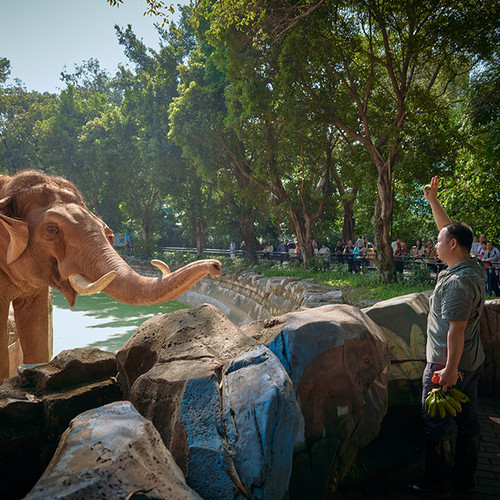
[[453, 402], [427, 403], [428, 400], [448, 406], [440, 405], [458, 395], [432, 405]]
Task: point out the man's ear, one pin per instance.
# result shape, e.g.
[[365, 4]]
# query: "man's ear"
[[18, 237]]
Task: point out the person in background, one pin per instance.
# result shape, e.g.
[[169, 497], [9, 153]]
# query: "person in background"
[[475, 247], [398, 250], [282, 251], [491, 260], [455, 355], [324, 253], [360, 242], [232, 249], [315, 246], [430, 255], [268, 250], [298, 252], [339, 250], [417, 251], [347, 254], [355, 262]]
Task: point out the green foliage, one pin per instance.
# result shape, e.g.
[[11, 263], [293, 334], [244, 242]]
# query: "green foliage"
[[472, 192], [275, 121]]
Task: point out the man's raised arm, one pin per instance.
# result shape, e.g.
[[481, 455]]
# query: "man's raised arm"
[[440, 216]]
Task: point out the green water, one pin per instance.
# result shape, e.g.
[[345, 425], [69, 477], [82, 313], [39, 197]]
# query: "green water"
[[100, 321]]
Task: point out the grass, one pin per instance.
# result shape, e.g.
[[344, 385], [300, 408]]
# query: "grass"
[[356, 288]]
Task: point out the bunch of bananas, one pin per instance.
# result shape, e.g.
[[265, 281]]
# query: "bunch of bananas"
[[443, 402]]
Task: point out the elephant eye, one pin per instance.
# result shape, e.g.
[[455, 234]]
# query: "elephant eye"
[[52, 230]]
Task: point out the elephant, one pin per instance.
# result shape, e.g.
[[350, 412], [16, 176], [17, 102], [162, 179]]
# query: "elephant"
[[50, 238]]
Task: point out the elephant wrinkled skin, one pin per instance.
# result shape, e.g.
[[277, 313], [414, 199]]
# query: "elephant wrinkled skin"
[[49, 238]]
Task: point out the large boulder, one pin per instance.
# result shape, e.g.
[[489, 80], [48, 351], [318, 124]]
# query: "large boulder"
[[37, 405], [337, 360], [112, 452], [222, 402], [490, 335], [404, 323]]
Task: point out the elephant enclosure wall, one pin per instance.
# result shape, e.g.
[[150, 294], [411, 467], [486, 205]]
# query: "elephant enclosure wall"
[[275, 326]]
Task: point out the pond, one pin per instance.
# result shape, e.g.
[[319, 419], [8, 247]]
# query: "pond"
[[100, 321]]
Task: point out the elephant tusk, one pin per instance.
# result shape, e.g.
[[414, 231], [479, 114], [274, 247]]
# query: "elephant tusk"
[[161, 266], [82, 286]]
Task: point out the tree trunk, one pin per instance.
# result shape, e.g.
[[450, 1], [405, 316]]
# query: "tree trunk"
[[348, 226], [384, 219], [201, 236], [248, 231], [303, 230]]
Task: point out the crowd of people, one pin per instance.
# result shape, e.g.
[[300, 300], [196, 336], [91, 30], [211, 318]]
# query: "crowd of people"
[[362, 253]]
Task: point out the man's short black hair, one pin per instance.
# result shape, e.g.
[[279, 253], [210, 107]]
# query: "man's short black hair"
[[461, 232]]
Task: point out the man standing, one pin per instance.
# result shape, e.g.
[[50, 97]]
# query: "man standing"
[[454, 352], [492, 258]]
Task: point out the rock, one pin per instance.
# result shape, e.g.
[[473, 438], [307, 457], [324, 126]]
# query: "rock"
[[404, 323], [490, 335], [111, 452], [337, 360], [37, 406], [222, 402], [68, 369]]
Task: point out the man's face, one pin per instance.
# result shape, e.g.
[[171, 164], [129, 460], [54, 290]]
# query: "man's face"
[[489, 246], [443, 245]]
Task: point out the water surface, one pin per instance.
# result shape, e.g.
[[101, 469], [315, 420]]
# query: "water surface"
[[100, 321]]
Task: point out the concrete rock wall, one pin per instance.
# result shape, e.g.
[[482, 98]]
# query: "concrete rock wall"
[[248, 296]]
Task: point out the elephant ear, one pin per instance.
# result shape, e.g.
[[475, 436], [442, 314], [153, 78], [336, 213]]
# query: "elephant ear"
[[18, 235]]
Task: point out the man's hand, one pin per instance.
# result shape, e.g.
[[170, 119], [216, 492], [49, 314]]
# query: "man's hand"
[[440, 216], [448, 378], [431, 194]]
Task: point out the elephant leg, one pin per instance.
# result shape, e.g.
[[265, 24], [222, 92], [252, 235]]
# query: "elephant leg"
[[33, 322], [4, 340]]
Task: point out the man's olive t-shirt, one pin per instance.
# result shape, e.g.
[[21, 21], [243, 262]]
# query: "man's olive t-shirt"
[[459, 295]]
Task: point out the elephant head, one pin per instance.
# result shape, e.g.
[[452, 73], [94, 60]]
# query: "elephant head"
[[48, 236]]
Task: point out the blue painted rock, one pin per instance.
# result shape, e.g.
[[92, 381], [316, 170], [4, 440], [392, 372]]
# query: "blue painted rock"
[[222, 402], [111, 452], [338, 362]]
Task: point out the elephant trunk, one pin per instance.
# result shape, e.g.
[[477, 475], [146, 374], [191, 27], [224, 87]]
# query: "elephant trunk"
[[129, 287], [132, 288]]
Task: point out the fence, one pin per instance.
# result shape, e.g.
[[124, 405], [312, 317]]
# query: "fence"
[[354, 264]]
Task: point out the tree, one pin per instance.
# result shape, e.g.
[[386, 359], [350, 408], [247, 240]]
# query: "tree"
[[21, 113], [360, 62], [197, 121], [472, 193]]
